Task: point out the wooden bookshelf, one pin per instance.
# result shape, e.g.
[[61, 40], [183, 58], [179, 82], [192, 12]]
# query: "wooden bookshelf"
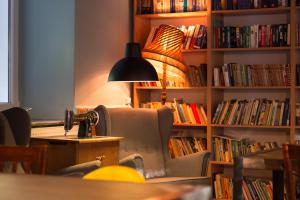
[[252, 88], [189, 125], [221, 163], [173, 15], [250, 126], [194, 50], [251, 49], [252, 11], [170, 88], [210, 96]]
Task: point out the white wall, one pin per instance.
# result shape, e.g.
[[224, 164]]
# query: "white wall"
[[100, 38]]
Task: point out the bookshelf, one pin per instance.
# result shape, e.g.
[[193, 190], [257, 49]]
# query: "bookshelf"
[[211, 95]]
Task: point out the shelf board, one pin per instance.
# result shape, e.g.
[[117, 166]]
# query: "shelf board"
[[298, 7], [221, 163], [249, 126], [297, 87], [252, 11], [252, 49], [193, 50], [174, 15], [170, 88], [297, 127], [189, 125], [252, 88]]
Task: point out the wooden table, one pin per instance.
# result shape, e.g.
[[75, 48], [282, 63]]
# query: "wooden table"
[[64, 151], [29, 187], [268, 160]]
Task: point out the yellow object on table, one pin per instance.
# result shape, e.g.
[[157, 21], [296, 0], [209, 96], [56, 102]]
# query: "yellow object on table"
[[115, 173]]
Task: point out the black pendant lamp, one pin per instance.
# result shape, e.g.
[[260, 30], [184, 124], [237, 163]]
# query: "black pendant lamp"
[[132, 68]]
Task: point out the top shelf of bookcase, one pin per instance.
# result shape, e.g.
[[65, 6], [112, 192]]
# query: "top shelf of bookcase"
[[252, 11], [173, 15]]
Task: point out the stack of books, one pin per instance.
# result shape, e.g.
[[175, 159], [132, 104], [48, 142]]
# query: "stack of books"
[[189, 113], [197, 75], [195, 36], [253, 188], [226, 148], [275, 35], [248, 4], [181, 146], [170, 6], [184, 113], [257, 112], [234, 74]]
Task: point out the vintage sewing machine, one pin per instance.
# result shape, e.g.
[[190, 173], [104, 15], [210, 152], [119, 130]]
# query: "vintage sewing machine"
[[87, 122]]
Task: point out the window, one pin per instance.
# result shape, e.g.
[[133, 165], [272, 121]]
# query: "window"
[[8, 53], [4, 40]]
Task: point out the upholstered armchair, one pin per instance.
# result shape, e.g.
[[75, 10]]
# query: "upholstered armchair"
[[145, 145]]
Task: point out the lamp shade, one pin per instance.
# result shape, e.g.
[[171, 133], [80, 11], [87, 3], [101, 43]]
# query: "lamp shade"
[[165, 49], [133, 68]]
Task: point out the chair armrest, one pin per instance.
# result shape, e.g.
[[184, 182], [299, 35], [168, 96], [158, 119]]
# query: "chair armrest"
[[78, 170], [135, 161], [195, 164]]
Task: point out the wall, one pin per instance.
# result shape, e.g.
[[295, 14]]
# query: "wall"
[[68, 49], [47, 57], [101, 35]]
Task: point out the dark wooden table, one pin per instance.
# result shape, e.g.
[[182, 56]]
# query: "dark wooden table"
[[268, 160], [29, 187]]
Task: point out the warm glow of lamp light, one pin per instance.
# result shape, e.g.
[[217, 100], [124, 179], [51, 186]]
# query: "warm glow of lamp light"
[[164, 53]]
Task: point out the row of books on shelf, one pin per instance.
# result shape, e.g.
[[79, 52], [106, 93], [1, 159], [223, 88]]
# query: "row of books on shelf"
[[195, 36], [248, 4], [197, 75], [272, 35], [234, 74], [252, 187], [226, 148], [183, 113], [182, 146], [169, 83], [257, 112], [170, 6]]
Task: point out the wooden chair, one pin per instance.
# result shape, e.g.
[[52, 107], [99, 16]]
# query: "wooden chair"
[[33, 159], [291, 154]]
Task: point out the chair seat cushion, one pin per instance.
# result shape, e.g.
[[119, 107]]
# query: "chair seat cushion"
[[181, 180]]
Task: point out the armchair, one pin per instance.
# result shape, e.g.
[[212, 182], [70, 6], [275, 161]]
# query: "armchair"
[[146, 133]]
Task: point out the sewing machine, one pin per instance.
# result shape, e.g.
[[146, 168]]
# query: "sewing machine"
[[87, 122]]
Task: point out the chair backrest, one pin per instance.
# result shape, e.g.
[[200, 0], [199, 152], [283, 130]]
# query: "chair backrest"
[[32, 159], [141, 129], [20, 124], [291, 154]]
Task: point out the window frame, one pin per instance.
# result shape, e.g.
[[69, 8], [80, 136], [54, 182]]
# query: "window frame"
[[13, 60]]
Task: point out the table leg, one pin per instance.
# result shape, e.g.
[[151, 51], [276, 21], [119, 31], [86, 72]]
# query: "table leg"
[[278, 184]]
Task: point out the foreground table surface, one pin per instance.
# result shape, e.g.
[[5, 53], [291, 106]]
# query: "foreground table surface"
[[29, 187]]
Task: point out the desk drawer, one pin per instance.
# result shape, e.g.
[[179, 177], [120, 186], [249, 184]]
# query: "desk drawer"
[[109, 151]]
